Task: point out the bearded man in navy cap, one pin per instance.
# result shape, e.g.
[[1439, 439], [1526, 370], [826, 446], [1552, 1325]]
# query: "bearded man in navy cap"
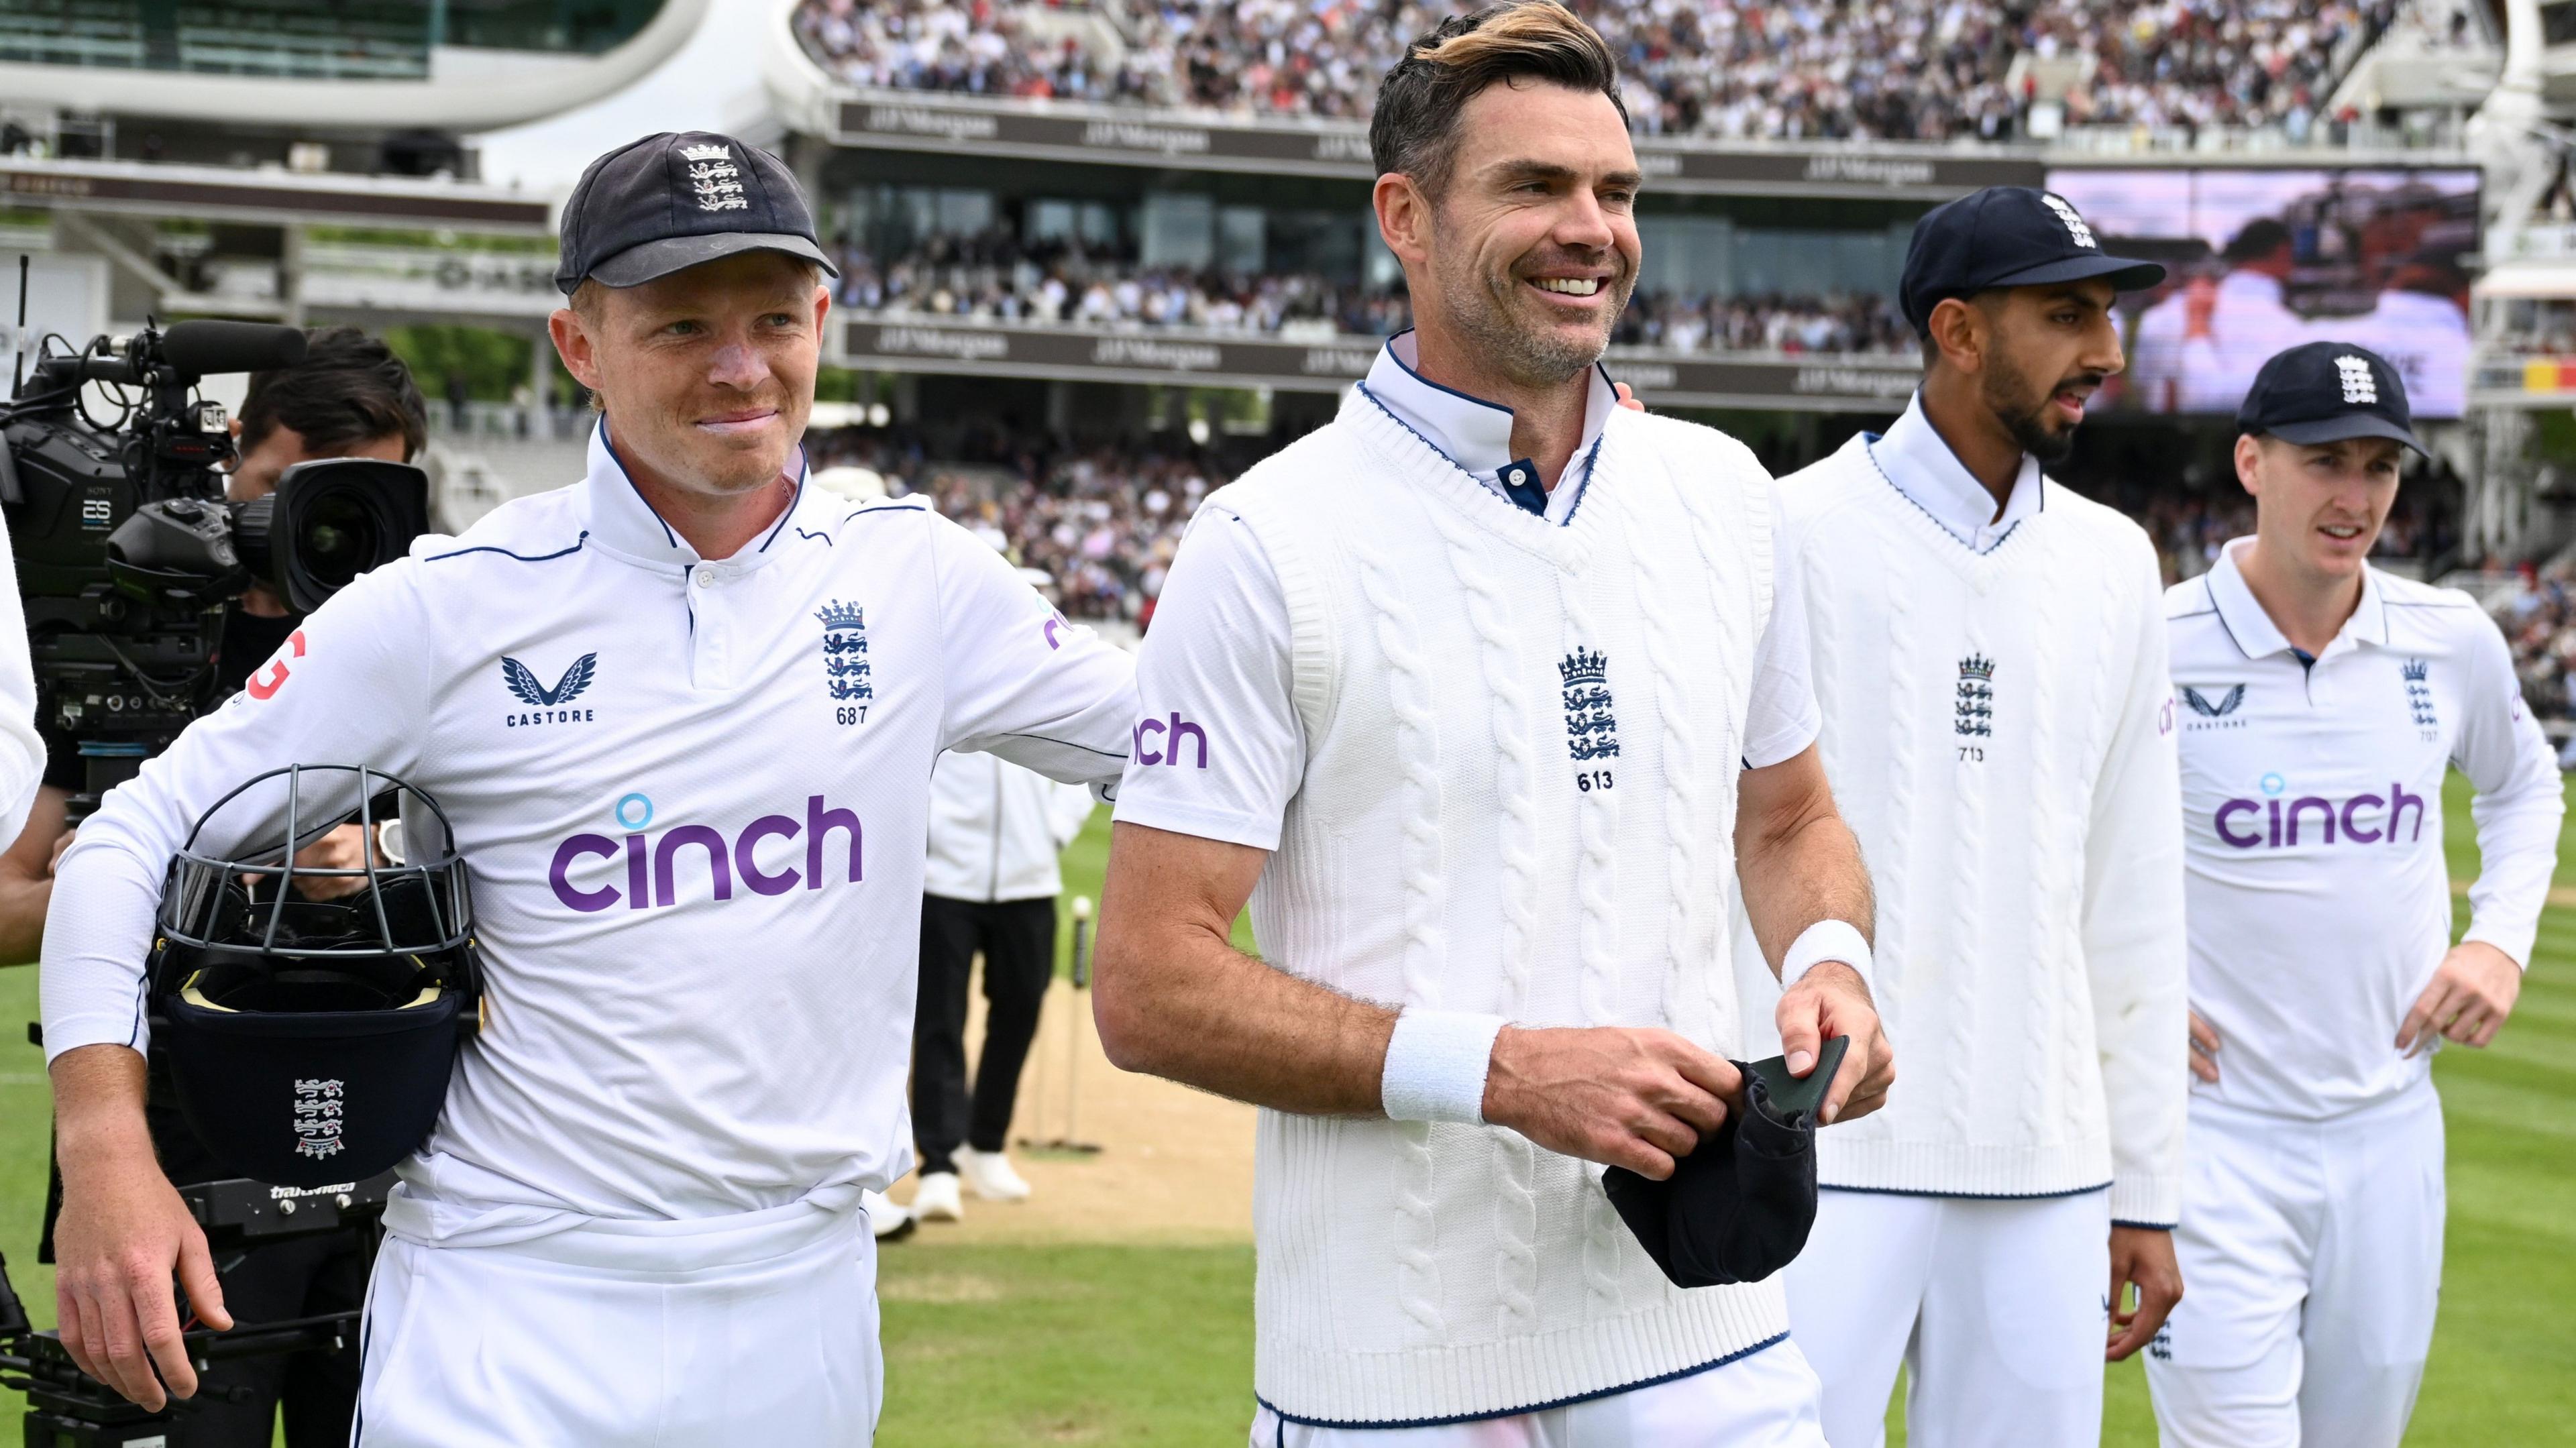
[[683, 716], [1989, 653]]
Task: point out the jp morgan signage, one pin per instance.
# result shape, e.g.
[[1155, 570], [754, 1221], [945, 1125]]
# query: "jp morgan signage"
[[925, 121], [1212, 359]]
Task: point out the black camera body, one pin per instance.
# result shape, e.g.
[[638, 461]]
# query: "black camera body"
[[127, 550]]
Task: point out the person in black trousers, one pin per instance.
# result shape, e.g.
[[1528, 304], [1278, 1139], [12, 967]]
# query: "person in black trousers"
[[990, 890]]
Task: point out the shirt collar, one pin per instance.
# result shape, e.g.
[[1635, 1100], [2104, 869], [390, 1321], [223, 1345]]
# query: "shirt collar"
[[1916, 459], [623, 523], [2252, 628], [1474, 433]]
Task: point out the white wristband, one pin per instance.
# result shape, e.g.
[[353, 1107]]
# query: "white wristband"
[[1436, 1063], [1826, 940]]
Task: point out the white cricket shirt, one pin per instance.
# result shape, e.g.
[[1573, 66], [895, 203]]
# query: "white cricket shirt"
[[1477, 435], [692, 794], [1918, 460], [2318, 901]]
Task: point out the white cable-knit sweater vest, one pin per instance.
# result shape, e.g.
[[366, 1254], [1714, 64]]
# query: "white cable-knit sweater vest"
[[1522, 747], [1998, 732]]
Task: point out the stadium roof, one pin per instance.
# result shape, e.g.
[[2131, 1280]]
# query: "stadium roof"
[[468, 88], [269, 197]]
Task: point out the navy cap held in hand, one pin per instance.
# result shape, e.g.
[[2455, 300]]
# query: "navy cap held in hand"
[[2320, 392], [2005, 236], [677, 199]]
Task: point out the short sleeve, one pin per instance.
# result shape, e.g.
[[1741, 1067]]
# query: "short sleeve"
[[1021, 682], [1218, 750], [1782, 719]]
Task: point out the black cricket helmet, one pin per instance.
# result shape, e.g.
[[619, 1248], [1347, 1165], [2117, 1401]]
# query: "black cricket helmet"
[[312, 1016]]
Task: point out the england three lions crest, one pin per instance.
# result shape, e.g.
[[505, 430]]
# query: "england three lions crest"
[[1973, 716], [317, 1118], [1591, 726], [846, 674]]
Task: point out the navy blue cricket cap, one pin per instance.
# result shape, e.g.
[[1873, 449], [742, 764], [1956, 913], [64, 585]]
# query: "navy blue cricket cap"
[[673, 200], [2005, 236], [2319, 392]]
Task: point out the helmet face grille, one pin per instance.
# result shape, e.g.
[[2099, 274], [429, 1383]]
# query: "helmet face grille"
[[312, 1016]]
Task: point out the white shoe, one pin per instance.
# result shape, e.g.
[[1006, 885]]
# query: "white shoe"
[[990, 1174], [936, 1198], [890, 1223]]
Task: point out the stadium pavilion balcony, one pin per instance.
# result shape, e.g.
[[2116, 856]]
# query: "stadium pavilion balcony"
[[305, 39]]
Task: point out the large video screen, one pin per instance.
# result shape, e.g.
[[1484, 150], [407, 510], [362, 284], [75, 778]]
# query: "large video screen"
[[2260, 260]]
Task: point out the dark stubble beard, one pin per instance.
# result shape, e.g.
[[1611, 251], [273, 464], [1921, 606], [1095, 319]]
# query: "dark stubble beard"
[[2007, 393], [1480, 308]]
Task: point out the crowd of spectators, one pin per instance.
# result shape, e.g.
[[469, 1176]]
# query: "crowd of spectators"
[[996, 277], [2539, 620], [1928, 70], [1101, 523]]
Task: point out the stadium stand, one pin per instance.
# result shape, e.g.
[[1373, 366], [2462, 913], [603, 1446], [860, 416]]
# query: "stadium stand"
[[1928, 70], [993, 276]]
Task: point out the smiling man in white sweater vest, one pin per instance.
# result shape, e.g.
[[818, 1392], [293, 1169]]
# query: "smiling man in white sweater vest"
[[1485, 707], [1989, 655]]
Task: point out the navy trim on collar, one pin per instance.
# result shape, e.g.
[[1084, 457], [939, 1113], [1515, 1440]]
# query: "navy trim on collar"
[[1398, 359], [628, 474], [804, 468], [2210, 592], [1581, 487], [2006, 536]]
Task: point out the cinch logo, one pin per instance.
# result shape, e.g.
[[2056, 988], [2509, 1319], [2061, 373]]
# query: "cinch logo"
[[2274, 823], [1167, 740], [653, 866]]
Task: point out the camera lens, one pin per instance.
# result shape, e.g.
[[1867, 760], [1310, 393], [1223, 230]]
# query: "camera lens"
[[330, 521], [339, 538]]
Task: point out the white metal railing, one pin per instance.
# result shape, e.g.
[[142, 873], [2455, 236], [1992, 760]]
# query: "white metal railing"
[[2534, 239]]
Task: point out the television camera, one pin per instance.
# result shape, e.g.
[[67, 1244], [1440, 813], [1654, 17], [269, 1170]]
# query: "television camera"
[[127, 549]]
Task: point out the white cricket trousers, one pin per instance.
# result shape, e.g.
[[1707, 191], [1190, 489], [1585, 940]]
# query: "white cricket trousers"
[[1994, 1306], [759, 1328], [1765, 1398], [2311, 1259]]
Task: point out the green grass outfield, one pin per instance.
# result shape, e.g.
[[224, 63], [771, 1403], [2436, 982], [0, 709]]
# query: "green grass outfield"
[[1153, 1345]]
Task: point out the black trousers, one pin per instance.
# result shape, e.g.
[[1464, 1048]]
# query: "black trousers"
[[1017, 940], [315, 1391]]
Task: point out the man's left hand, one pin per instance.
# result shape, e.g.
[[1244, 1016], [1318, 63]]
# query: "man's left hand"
[[1627, 399], [2468, 1000], [1831, 1000], [2143, 1256]]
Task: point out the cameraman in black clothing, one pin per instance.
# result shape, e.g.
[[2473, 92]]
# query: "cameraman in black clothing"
[[349, 398]]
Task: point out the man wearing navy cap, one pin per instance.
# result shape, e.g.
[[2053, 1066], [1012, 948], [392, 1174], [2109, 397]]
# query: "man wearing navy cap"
[[2321, 702], [1989, 654], [683, 715]]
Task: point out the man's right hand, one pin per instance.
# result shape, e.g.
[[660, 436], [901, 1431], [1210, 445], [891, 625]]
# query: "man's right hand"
[[1625, 1097], [122, 1231], [2204, 1049]]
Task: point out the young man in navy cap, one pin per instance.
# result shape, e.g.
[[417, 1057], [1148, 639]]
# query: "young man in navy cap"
[[2322, 701], [683, 716], [1989, 654]]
